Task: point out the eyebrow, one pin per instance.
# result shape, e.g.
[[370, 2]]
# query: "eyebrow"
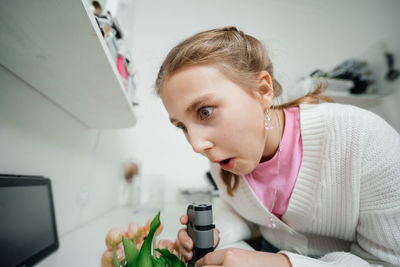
[[195, 104]]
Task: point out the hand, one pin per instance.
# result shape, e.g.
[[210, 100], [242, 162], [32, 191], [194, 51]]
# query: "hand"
[[233, 257], [185, 243]]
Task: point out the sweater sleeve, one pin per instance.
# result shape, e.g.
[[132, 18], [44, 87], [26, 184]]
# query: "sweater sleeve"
[[333, 259], [378, 230], [377, 237], [232, 226]]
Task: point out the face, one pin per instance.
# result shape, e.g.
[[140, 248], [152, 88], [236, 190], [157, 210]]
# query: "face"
[[220, 120], [98, 11]]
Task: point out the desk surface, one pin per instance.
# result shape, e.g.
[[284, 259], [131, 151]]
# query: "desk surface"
[[85, 245]]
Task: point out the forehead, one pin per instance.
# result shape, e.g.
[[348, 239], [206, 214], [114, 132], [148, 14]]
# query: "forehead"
[[189, 88], [190, 83], [192, 78]]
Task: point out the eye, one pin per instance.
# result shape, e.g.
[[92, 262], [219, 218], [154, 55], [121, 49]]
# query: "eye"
[[205, 112], [181, 126]]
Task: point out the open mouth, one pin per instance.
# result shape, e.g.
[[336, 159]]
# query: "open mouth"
[[227, 164], [226, 161]]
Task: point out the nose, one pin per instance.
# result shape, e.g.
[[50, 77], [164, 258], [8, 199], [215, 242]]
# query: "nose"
[[199, 141]]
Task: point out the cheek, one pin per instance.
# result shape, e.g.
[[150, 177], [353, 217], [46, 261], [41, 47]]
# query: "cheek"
[[243, 133]]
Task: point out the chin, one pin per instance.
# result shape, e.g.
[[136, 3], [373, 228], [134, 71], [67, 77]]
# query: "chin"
[[244, 170], [249, 168], [242, 167]]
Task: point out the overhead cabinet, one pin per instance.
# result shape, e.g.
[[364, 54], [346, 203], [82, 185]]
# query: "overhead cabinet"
[[57, 48]]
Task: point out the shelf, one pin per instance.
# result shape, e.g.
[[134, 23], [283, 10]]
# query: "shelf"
[[57, 48], [362, 100]]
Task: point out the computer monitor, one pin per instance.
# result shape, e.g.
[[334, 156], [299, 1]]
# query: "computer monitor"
[[28, 231]]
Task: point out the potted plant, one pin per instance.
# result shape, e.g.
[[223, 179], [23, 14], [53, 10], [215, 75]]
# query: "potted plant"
[[137, 247]]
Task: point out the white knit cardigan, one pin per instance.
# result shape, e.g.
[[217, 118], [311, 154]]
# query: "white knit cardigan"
[[345, 206]]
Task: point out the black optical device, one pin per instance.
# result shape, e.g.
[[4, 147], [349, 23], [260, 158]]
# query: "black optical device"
[[27, 226], [200, 228]]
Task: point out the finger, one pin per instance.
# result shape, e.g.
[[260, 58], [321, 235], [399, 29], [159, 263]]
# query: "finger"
[[184, 219], [187, 256], [212, 258], [216, 237], [185, 239], [185, 245]]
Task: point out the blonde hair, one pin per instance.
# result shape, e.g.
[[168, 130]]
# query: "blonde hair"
[[240, 57]]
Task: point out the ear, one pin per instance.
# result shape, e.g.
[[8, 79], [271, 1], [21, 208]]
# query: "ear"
[[265, 91]]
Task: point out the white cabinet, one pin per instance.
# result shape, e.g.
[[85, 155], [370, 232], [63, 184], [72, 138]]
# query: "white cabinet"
[[56, 47]]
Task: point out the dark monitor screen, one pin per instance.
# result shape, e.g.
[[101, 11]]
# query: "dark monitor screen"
[[28, 230]]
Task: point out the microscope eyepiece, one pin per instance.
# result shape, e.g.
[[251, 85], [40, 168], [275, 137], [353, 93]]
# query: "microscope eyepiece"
[[200, 228]]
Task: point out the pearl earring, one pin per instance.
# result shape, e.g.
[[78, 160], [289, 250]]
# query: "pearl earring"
[[268, 121]]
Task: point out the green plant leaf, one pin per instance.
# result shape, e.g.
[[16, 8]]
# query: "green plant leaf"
[[131, 252], [172, 259], [115, 259], [123, 263], [159, 262], [145, 259]]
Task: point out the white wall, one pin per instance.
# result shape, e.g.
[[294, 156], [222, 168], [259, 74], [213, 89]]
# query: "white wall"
[[39, 138], [301, 36]]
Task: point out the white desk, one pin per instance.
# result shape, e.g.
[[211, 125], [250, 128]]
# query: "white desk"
[[85, 246]]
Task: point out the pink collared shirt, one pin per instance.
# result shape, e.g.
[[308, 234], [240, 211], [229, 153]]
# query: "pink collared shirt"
[[265, 174]]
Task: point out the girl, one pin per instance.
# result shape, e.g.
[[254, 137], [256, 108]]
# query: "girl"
[[321, 180]]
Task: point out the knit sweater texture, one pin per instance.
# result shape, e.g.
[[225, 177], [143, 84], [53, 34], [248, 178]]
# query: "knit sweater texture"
[[345, 206]]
